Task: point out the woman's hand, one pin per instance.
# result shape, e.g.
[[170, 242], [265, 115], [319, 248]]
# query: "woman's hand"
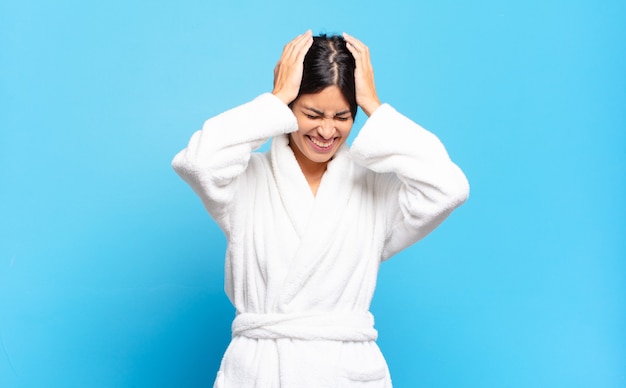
[[288, 70], [366, 95]]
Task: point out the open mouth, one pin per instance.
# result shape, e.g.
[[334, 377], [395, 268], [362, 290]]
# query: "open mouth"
[[321, 146]]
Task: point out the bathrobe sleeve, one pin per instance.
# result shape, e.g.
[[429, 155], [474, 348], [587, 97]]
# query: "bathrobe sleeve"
[[417, 183], [218, 154]]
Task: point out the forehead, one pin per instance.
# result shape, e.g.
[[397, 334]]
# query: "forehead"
[[328, 100]]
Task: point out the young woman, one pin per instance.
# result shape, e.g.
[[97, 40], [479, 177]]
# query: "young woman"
[[309, 222]]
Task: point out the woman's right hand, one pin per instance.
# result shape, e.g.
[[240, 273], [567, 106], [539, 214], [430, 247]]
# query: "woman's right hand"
[[288, 70]]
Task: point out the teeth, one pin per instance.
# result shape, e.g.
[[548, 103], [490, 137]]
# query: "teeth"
[[320, 144]]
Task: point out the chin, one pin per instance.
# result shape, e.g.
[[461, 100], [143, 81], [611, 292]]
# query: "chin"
[[325, 159], [321, 158]]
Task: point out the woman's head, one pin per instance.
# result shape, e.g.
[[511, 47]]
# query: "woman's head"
[[326, 102], [328, 62]]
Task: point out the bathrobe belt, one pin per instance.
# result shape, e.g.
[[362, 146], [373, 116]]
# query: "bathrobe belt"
[[306, 326]]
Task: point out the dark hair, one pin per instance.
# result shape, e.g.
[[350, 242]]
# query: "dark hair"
[[328, 62]]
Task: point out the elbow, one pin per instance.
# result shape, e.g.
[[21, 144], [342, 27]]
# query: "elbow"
[[427, 207], [449, 194], [178, 163], [182, 165], [433, 204], [459, 190]]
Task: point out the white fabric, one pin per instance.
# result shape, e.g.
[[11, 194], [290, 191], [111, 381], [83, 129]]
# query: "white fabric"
[[306, 326], [301, 269]]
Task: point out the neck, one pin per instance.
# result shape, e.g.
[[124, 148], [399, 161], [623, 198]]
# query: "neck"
[[313, 171]]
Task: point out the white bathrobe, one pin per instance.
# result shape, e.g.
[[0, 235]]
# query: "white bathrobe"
[[301, 269]]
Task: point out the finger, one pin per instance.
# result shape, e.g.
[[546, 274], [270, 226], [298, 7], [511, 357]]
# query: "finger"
[[297, 42], [300, 46], [354, 41], [299, 37], [356, 46], [304, 47], [287, 52], [353, 50], [361, 56], [356, 52]]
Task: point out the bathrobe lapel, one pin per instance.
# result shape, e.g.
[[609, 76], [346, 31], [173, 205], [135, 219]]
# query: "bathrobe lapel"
[[294, 190], [314, 218]]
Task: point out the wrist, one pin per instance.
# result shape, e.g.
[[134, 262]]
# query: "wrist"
[[370, 106], [287, 99]]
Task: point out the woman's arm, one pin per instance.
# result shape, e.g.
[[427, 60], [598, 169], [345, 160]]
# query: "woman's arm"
[[219, 153], [425, 185], [419, 184]]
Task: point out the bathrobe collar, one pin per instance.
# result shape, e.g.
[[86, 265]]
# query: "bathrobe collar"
[[295, 191], [315, 218]]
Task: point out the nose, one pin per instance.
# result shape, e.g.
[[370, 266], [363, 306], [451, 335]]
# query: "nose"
[[327, 128]]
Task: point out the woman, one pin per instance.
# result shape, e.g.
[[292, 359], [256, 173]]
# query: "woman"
[[309, 222]]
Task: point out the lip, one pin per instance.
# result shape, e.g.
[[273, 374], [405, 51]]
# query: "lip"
[[319, 149]]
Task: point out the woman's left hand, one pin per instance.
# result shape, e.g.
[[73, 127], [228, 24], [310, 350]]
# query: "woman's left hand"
[[366, 95]]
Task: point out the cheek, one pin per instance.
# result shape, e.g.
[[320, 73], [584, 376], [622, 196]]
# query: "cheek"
[[345, 128], [298, 138], [301, 133], [304, 124]]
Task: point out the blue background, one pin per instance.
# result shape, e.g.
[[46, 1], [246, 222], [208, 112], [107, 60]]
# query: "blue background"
[[111, 272]]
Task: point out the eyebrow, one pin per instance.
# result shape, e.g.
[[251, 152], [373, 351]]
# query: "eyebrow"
[[319, 112]]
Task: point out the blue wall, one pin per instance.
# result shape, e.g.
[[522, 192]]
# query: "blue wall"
[[111, 272]]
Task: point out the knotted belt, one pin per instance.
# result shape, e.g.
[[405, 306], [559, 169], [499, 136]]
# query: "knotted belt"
[[306, 326]]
